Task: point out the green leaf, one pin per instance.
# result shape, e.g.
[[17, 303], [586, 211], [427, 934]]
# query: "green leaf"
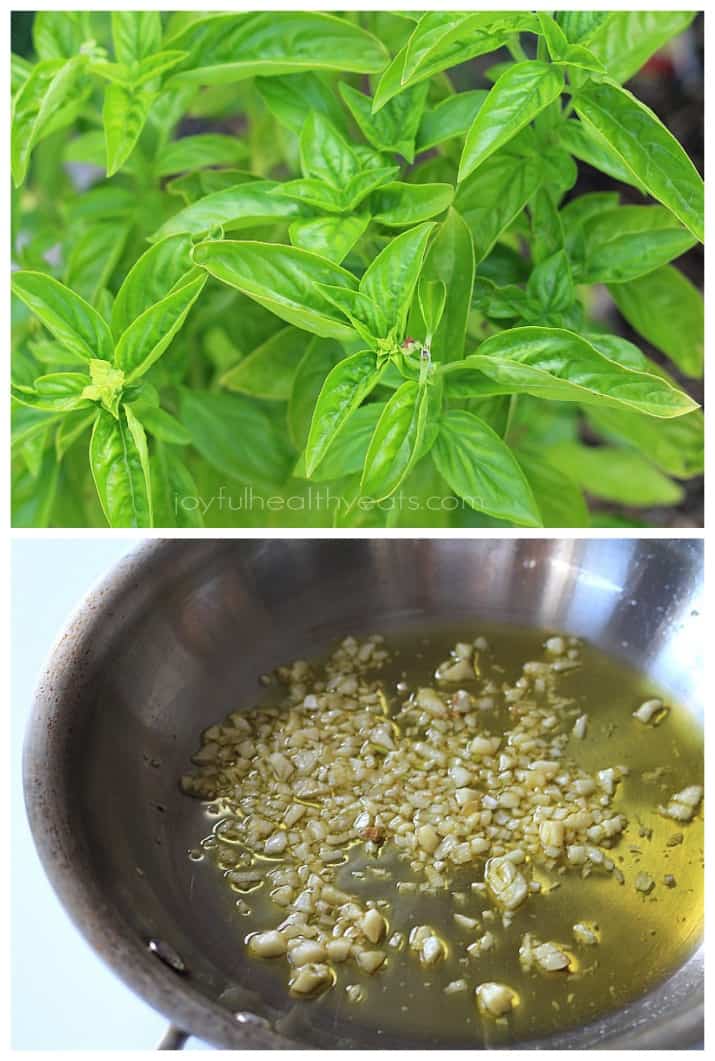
[[579, 26], [194, 152], [450, 118], [57, 34], [346, 455], [33, 497], [364, 314], [396, 442], [291, 98], [390, 280], [630, 241], [394, 127], [399, 205], [154, 66], [675, 446], [268, 370], [432, 296], [71, 429], [668, 311], [331, 237], [559, 499], [559, 365], [56, 392], [72, 321], [148, 336], [93, 259], [124, 114], [625, 40], [614, 474], [325, 154], [153, 276], [244, 205], [49, 99], [160, 424], [646, 148], [522, 92], [450, 262], [363, 184], [493, 197], [230, 47], [481, 469], [585, 144], [283, 279], [176, 498], [551, 284], [345, 388], [236, 436], [320, 357], [135, 34], [442, 39], [119, 463]]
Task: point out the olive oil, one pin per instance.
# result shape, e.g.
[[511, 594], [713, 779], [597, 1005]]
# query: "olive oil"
[[644, 932]]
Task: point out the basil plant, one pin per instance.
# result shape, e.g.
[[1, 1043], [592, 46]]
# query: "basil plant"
[[273, 268]]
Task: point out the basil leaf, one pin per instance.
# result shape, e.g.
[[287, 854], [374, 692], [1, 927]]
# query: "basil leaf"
[[390, 280], [159, 423], [398, 205], [450, 262], [148, 336], [580, 26], [268, 371], [615, 474], [559, 499], [294, 96], [57, 34], [446, 38], [629, 241], [56, 392], [551, 284], [481, 469], [71, 320], [520, 93], [396, 442], [625, 40], [124, 114], [346, 454], [668, 311], [135, 34], [71, 429], [243, 205], [675, 446], [151, 68], [449, 119], [344, 389], [236, 436], [119, 463], [646, 148], [325, 154], [33, 497], [493, 197], [230, 47], [366, 317], [175, 495], [363, 184], [331, 237], [194, 152], [394, 127], [49, 99], [584, 142], [432, 296], [93, 258], [320, 357], [154, 275], [557, 364], [283, 279]]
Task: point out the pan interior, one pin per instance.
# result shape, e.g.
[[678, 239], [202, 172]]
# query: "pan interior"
[[210, 621]]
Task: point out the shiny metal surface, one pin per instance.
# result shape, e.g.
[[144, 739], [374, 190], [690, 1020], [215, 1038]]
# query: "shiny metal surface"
[[176, 637]]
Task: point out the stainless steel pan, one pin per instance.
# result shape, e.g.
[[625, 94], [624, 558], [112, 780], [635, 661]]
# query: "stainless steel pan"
[[175, 638]]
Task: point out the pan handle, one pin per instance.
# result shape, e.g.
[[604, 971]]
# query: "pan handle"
[[173, 1039]]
